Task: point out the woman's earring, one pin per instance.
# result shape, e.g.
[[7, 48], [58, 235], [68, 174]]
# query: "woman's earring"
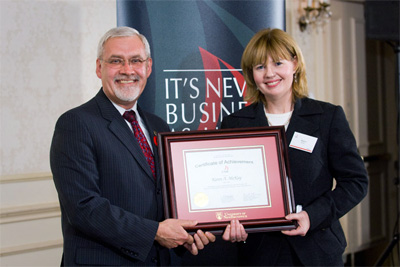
[[295, 77]]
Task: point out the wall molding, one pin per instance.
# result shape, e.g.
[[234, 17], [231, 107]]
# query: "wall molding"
[[32, 247], [29, 212], [28, 177]]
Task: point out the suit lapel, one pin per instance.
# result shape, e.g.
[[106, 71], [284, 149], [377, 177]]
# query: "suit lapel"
[[298, 122], [122, 131], [261, 119], [303, 108]]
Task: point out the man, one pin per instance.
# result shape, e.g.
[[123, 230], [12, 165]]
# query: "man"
[[108, 185]]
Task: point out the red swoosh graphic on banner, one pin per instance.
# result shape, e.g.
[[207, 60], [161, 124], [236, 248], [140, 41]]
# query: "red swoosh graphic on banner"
[[212, 62]]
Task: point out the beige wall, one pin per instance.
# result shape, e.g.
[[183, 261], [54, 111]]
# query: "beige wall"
[[48, 52]]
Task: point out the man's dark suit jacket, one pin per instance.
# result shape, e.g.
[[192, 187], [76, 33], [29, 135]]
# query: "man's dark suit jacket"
[[334, 156], [110, 202]]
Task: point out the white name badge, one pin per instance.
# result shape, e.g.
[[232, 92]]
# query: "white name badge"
[[303, 142]]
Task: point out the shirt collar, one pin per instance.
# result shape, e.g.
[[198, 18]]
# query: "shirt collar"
[[121, 110]]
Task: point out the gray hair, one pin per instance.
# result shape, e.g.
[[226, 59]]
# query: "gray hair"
[[121, 32]]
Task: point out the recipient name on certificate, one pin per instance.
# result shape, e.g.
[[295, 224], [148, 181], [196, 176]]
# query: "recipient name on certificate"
[[227, 178]]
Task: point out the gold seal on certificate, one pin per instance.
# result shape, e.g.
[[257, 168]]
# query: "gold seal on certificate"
[[201, 200]]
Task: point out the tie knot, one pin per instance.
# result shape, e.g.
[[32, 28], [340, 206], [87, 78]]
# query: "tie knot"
[[129, 116]]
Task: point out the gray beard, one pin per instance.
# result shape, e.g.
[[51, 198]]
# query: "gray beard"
[[129, 95]]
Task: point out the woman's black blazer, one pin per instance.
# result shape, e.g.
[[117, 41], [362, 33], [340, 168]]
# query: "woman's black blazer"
[[335, 157]]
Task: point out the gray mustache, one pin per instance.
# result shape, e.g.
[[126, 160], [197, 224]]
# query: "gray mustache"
[[126, 77]]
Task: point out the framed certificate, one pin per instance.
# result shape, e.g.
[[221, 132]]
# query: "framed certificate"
[[216, 176]]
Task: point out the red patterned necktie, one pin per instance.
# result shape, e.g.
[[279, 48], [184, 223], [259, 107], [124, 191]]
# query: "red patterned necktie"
[[141, 138]]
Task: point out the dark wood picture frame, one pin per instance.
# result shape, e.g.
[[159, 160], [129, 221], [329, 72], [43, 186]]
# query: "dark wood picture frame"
[[177, 175]]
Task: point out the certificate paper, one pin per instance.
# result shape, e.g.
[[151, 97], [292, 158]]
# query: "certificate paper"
[[226, 178]]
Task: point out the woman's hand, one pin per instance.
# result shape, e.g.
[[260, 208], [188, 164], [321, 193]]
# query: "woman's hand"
[[235, 232]]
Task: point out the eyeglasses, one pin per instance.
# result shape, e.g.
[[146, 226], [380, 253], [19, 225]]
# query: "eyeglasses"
[[117, 63]]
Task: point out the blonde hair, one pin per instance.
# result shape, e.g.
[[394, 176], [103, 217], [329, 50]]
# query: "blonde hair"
[[278, 45]]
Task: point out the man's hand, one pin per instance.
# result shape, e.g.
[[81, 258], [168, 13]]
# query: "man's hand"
[[303, 221], [171, 233], [235, 232], [201, 239]]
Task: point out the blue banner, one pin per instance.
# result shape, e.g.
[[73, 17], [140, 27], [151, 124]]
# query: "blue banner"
[[196, 50]]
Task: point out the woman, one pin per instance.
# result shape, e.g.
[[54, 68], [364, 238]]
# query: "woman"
[[274, 69]]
